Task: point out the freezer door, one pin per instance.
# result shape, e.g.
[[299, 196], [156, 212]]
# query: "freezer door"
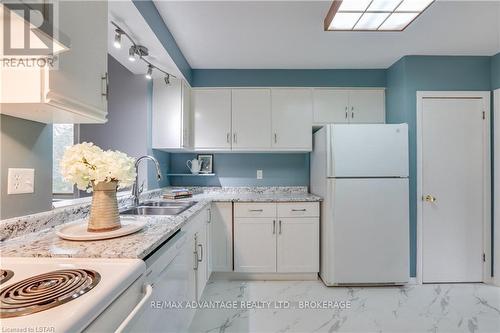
[[370, 231], [368, 150]]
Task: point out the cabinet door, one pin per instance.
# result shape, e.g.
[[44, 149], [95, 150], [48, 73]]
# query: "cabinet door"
[[212, 118], [330, 106], [251, 119], [367, 106], [298, 245], [255, 245], [80, 69], [292, 119], [221, 240], [167, 114]]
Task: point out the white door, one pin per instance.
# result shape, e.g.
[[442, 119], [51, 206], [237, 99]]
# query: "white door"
[[167, 114], [221, 241], [330, 106], [298, 245], [367, 106], [292, 119], [452, 168], [255, 245], [369, 231], [368, 150], [212, 118], [251, 118]]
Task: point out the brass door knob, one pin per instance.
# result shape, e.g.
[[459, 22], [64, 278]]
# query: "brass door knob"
[[429, 198]]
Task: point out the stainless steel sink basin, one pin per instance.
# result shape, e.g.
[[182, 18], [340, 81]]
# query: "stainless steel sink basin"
[[168, 203], [159, 208]]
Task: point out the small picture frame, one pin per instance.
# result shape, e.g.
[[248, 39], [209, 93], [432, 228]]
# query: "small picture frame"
[[207, 163]]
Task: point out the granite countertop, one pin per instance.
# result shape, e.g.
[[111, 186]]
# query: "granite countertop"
[[45, 243]]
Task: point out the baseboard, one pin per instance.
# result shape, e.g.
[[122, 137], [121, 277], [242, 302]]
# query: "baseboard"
[[265, 276]]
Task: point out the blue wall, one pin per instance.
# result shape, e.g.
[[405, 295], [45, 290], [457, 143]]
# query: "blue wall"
[[289, 78], [240, 170], [419, 73], [495, 71]]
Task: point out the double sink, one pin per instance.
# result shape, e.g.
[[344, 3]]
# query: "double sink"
[[170, 208]]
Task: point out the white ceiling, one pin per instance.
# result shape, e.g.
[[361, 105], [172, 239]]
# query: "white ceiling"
[[126, 15], [289, 34]]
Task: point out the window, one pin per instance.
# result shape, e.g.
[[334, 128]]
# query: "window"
[[63, 136]]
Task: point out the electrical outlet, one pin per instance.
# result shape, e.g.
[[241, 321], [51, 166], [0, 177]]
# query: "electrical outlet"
[[259, 174], [20, 181]]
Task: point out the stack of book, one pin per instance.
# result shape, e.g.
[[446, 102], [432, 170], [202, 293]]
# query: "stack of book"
[[178, 194]]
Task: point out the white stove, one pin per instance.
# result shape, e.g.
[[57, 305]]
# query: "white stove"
[[68, 294]]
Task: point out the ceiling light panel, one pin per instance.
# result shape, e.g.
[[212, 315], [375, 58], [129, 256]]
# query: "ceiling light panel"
[[383, 5], [398, 21], [344, 21], [354, 5], [371, 21], [373, 15], [413, 5]]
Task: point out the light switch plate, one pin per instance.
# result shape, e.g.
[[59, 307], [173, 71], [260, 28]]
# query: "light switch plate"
[[260, 174], [20, 181]]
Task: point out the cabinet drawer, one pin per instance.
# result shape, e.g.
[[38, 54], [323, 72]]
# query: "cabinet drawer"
[[254, 210], [298, 209]]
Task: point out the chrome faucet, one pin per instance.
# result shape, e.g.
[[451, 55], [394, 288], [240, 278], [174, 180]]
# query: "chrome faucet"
[[136, 191]]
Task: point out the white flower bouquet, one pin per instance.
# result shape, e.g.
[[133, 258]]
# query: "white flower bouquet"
[[87, 165]]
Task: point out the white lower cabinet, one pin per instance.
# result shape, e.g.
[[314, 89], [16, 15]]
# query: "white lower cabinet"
[[298, 245], [221, 237], [255, 245], [283, 243]]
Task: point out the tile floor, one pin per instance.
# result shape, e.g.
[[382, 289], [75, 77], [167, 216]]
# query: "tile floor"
[[413, 308]]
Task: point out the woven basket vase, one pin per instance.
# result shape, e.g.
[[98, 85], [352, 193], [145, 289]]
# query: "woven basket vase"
[[104, 210]]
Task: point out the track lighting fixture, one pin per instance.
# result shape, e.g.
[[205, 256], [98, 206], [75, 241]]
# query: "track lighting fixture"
[[138, 52], [131, 53], [118, 39], [149, 74]]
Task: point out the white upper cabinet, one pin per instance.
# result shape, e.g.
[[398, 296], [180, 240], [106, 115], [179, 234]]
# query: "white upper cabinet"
[[212, 119], [367, 106], [330, 106], [292, 119], [75, 91], [171, 116], [349, 106], [251, 119]]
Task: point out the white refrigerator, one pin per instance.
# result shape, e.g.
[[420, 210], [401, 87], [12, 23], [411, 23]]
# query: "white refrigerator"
[[361, 171]]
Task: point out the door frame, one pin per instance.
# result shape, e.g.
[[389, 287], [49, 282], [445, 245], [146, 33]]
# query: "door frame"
[[485, 96]]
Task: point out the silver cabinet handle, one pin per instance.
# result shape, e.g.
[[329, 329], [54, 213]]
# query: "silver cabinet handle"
[[209, 217], [195, 252], [346, 108], [234, 138], [274, 227], [275, 138], [299, 210], [352, 112], [228, 137], [105, 88], [200, 246], [280, 228], [255, 210]]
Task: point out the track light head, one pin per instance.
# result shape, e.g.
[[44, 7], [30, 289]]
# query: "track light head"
[[132, 54], [149, 74], [167, 79], [118, 39]]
